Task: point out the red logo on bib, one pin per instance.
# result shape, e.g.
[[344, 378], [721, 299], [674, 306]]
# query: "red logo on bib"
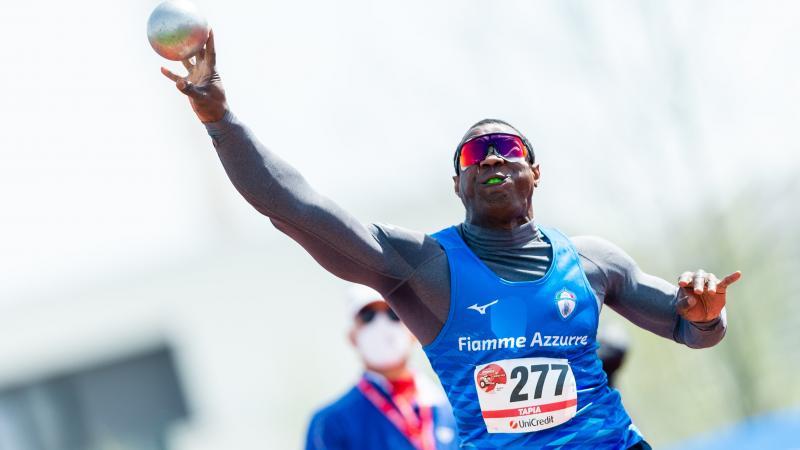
[[490, 376]]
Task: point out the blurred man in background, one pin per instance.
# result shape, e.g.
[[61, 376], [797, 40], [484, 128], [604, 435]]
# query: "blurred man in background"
[[614, 343], [390, 407]]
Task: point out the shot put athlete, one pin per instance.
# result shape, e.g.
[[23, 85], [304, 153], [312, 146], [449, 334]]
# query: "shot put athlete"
[[505, 307]]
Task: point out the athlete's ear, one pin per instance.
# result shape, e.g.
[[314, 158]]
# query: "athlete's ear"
[[536, 174], [456, 179]]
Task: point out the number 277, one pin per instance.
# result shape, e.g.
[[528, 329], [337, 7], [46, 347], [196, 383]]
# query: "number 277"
[[522, 372]]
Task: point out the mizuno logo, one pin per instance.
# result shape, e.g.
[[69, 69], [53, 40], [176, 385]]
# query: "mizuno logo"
[[482, 309]]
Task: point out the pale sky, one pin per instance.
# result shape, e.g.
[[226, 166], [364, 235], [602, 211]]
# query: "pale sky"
[[632, 107]]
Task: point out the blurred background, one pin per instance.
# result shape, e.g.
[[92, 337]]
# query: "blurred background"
[[144, 305]]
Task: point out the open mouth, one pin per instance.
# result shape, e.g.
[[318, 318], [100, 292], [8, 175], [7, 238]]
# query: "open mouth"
[[495, 180]]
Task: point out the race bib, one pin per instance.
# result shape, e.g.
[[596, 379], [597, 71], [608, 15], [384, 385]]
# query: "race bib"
[[526, 394]]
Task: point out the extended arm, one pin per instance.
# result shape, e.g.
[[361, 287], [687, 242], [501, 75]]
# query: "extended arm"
[[386, 258], [332, 236], [648, 301]]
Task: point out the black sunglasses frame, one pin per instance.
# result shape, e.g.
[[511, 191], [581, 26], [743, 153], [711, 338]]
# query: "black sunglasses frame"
[[531, 157], [367, 315]]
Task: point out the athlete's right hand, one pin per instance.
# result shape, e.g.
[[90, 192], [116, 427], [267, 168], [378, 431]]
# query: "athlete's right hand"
[[202, 85]]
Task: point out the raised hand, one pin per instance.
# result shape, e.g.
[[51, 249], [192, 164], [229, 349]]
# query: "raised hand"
[[202, 85], [704, 294]]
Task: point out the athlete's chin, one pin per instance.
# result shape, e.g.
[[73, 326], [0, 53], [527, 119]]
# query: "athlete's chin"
[[498, 211], [496, 198], [499, 202]]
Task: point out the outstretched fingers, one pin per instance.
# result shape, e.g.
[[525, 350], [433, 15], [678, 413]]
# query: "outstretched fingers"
[[183, 85], [699, 281], [713, 282], [189, 88], [729, 280], [167, 73], [685, 279], [210, 51]]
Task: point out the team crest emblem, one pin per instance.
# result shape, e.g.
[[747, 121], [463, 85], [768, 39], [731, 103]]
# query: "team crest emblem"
[[565, 301]]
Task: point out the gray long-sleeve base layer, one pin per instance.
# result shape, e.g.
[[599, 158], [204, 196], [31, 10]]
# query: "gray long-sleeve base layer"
[[410, 268]]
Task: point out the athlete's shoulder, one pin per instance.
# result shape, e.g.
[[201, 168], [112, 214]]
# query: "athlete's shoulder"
[[397, 233], [412, 244], [601, 253], [596, 246]]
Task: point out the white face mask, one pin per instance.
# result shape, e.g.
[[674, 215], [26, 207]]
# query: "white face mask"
[[383, 343]]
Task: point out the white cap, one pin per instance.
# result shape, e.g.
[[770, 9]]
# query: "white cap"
[[613, 334], [359, 296]]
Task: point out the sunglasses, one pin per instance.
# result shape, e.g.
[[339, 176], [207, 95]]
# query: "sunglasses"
[[506, 146], [366, 315]]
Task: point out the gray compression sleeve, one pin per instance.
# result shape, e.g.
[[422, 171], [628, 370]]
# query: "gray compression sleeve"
[[338, 241], [645, 300], [407, 267]]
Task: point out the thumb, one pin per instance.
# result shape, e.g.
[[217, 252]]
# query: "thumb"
[[686, 302], [188, 88]]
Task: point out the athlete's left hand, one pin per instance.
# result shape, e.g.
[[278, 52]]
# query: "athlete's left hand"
[[703, 294]]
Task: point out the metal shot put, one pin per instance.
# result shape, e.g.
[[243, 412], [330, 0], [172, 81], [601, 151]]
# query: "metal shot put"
[[176, 30], [506, 308]]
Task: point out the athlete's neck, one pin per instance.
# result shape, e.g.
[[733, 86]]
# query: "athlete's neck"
[[499, 223], [492, 237]]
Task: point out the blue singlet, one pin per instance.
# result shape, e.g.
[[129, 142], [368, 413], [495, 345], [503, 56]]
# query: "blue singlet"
[[518, 360]]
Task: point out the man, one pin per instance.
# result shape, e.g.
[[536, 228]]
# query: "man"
[[390, 407], [505, 308], [613, 348]]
